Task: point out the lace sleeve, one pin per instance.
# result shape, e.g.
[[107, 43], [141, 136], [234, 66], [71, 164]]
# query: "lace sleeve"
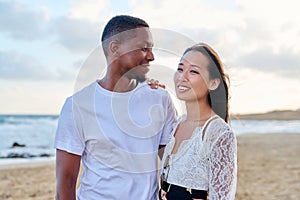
[[223, 168]]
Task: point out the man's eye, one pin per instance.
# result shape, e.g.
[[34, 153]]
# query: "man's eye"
[[179, 69], [144, 49]]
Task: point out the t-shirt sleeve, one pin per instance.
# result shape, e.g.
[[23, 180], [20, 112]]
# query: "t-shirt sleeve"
[[67, 137], [171, 116]]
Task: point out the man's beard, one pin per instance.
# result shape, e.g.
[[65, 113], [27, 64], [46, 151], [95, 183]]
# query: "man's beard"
[[136, 74], [140, 79]]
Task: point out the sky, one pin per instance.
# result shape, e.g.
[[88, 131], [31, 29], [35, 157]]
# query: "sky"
[[46, 46]]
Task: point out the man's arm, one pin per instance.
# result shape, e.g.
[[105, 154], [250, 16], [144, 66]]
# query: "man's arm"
[[161, 150], [67, 169]]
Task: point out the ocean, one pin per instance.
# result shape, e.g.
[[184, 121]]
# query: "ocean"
[[31, 136], [27, 136]]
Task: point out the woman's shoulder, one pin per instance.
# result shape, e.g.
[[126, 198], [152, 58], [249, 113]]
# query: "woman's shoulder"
[[217, 127], [219, 122]]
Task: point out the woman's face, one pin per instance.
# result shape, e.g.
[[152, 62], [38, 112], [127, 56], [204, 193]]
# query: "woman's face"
[[192, 77]]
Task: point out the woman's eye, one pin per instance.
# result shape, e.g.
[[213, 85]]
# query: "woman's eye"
[[194, 72]]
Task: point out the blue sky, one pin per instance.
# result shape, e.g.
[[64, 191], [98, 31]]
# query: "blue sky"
[[45, 43]]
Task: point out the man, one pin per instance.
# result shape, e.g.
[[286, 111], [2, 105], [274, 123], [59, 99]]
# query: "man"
[[116, 125]]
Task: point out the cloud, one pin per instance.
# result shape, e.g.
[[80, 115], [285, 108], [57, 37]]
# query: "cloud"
[[256, 91], [283, 63], [76, 32], [80, 29], [277, 11], [91, 10], [18, 22], [77, 35], [192, 14], [241, 31], [164, 41], [14, 65]]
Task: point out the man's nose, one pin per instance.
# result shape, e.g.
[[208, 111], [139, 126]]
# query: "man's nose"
[[150, 55]]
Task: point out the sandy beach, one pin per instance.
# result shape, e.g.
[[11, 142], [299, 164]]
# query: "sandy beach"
[[269, 168]]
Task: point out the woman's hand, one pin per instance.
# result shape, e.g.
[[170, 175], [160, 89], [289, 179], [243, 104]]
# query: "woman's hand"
[[163, 194], [154, 84]]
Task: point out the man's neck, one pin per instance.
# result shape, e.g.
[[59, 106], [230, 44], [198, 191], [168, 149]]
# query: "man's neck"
[[118, 85]]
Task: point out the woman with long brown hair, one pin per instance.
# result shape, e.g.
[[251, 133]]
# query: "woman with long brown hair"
[[200, 160]]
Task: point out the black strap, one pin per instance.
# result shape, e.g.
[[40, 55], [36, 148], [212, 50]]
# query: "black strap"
[[197, 194]]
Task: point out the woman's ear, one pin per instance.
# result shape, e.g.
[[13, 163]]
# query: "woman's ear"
[[214, 84]]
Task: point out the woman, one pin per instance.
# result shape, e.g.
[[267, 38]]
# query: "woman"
[[200, 159]]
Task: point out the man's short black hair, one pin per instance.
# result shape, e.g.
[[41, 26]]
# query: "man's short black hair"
[[121, 23]]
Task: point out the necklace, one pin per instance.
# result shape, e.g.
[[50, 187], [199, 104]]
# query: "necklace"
[[196, 120]]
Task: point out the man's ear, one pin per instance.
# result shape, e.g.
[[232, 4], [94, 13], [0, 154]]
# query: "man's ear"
[[214, 84], [114, 47]]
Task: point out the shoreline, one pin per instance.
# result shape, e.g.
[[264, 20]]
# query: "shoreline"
[[268, 168], [15, 163]]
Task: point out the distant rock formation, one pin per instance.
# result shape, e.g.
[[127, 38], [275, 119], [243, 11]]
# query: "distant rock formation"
[[273, 115], [25, 155], [15, 144]]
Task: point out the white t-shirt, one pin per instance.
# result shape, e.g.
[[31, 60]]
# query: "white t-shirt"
[[117, 136]]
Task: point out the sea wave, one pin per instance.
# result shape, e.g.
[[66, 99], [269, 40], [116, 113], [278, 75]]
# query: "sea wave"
[[265, 126], [25, 119], [32, 136], [26, 136]]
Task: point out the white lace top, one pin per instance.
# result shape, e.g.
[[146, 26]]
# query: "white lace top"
[[209, 165]]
